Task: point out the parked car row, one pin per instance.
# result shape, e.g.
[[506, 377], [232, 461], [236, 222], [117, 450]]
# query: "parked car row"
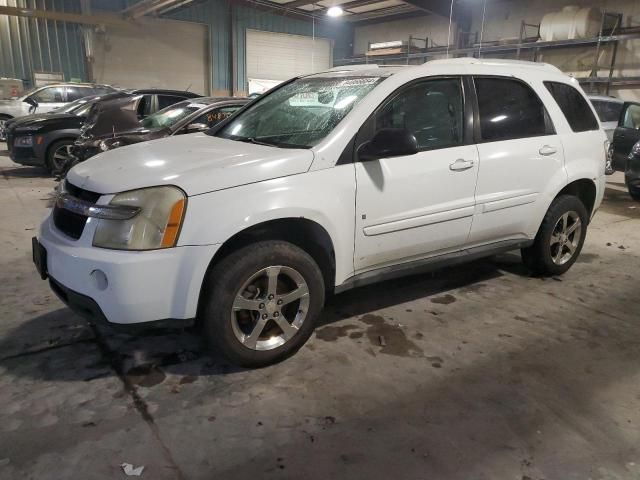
[[63, 137]]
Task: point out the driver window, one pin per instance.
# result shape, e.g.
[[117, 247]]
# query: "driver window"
[[432, 110], [49, 95], [632, 117]]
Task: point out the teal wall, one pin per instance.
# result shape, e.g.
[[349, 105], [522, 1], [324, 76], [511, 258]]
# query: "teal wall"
[[217, 14], [28, 45]]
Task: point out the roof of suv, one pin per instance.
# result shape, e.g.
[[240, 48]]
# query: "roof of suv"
[[387, 70]]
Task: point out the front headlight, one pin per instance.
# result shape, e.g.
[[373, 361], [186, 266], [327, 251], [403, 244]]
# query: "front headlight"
[[25, 141], [157, 225], [635, 151]]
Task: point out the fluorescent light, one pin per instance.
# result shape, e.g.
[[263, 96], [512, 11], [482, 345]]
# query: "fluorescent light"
[[335, 11]]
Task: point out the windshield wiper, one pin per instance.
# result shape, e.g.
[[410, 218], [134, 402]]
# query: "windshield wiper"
[[260, 141]]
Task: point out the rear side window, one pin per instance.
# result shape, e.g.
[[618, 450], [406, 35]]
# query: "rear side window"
[[574, 106], [165, 101], [510, 109]]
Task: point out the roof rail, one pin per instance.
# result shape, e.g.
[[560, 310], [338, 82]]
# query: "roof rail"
[[353, 68]]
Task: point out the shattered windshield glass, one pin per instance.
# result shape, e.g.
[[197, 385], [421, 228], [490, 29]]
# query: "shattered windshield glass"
[[301, 113]]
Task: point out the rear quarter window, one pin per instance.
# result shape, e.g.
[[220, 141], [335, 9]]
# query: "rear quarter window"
[[574, 106]]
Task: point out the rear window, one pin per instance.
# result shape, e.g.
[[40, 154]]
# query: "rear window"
[[510, 109], [608, 111], [574, 106]]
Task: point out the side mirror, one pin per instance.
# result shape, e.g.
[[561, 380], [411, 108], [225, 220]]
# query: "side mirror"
[[388, 142], [31, 101], [197, 127]]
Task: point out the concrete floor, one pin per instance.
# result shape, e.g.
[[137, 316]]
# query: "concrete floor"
[[486, 374]]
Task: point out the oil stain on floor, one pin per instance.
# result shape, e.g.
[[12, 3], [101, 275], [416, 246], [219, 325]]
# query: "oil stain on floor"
[[390, 338]]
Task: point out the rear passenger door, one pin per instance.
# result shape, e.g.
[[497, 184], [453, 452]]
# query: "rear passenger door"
[[519, 155]]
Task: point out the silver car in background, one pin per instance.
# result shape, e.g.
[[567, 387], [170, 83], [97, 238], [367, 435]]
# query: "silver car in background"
[[608, 110]]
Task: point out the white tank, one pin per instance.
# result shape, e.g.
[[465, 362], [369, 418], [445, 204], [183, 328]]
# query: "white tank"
[[571, 22]]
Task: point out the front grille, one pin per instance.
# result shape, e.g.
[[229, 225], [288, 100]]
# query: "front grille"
[[71, 223]]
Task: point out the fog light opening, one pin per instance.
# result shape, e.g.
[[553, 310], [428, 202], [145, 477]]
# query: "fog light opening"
[[99, 279]]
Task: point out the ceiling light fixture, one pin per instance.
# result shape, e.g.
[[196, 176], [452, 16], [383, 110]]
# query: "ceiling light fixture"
[[335, 12]]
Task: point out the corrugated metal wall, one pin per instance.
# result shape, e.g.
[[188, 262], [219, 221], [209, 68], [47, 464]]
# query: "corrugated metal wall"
[[217, 14], [30, 45]]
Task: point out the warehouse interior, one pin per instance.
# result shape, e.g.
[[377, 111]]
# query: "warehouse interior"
[[481, 370]]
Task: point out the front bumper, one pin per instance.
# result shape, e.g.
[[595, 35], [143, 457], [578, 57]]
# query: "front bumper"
[[33, 155], [140, 287]]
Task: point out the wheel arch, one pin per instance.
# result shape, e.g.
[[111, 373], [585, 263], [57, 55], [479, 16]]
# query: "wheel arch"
[[306, 234], [585, 189]]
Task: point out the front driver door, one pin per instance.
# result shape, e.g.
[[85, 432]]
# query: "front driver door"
[[626, 135], [414, 206]]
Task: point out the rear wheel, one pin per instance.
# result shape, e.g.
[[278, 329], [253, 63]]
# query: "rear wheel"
[[58, 156], [261, 303], [559, 239]]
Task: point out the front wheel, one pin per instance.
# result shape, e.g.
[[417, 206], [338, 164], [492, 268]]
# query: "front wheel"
[[559, 239], [261, 303], [59, 156]]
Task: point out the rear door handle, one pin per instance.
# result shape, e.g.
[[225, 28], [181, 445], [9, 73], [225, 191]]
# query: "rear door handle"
[[460, 165], [547, 150]]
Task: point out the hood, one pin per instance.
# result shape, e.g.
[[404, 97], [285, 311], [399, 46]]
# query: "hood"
[[148, 133], [197, 163], [44, 119], [13, 101]]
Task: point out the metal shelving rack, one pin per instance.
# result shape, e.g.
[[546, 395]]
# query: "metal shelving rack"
[[608, 36]]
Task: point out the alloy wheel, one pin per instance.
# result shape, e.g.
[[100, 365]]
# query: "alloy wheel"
[[565, 237], [61, 156], [269, 309]]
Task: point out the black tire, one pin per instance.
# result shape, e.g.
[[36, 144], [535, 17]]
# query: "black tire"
[[634, 192], [52, 164], [223, 285], [4, 118], [539, 257]]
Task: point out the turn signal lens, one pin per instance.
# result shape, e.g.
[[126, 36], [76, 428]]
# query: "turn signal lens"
[[173, 224]]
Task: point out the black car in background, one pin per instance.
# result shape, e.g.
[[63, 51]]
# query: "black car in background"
[[624, 152], [46, 140], [118, 113], [188, 116], [632, 172]]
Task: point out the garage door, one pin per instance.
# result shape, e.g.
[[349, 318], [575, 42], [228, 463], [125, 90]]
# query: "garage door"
[[155, 54], [280, 56]]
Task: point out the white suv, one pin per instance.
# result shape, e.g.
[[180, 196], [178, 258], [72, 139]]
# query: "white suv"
[[328, 182]]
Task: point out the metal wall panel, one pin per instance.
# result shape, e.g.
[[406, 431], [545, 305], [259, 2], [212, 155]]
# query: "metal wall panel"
[[219, 14], [32, 44]]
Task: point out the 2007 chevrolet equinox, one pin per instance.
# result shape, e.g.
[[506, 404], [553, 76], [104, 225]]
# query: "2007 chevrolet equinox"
[[327, 182]]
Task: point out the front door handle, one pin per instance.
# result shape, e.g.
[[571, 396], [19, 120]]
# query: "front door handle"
[[547, 150], [460, 165]]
